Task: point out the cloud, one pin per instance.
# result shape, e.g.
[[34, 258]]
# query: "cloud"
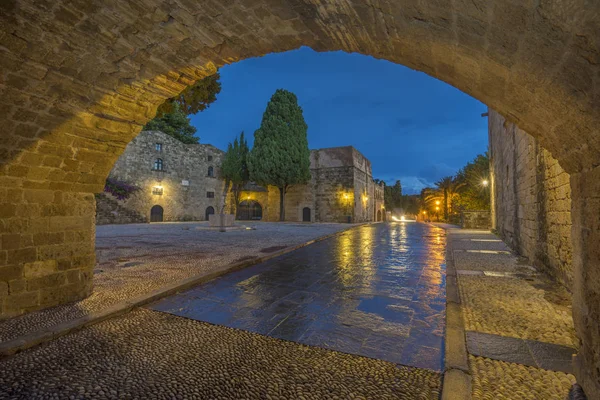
[[410, 184]]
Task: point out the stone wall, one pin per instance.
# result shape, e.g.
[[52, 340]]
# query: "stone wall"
[[531, 199], [475, 219], [50, 259], [110, 211], [184, 180]]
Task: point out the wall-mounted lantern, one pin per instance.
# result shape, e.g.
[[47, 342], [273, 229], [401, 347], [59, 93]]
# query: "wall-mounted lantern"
[[157, 190]]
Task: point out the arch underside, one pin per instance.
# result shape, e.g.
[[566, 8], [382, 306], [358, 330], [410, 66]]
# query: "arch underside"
[[79, 78]]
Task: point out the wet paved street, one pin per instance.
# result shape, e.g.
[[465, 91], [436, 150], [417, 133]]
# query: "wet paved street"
[[376, 291]]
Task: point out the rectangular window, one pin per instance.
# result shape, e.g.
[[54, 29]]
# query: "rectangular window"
[[158, 146], [210, 195], [209, 158]]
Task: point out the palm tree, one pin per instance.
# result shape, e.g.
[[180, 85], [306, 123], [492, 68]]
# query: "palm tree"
[[449, 186]]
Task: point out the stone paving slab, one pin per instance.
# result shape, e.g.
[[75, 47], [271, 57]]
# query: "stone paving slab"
[[139, 259], [501, 262], [500, 380], [376, 291], [527, 352], [152, 355]]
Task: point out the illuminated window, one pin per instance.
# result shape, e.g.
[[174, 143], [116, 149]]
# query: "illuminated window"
[[158, 164], [210, 195], [158, 146], [211, 172]]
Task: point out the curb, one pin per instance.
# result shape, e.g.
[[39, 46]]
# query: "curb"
[[33, 339], [457, 378]]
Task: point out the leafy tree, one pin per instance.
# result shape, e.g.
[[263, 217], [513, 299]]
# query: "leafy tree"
[[234, 169], [473, 194], [172, 116], [449, 186], [175, 124], [410, 204], [393, 196], [194, 98], [280, 156]]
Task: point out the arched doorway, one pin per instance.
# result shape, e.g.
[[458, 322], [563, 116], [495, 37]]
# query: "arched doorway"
[[209, 211], [378, 215], [306, 214], [156, 214], [249, 210]]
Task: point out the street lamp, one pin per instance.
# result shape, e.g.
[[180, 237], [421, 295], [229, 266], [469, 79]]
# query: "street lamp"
[[484, 182]]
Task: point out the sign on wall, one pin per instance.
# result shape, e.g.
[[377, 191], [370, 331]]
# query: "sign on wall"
[[185, 183]]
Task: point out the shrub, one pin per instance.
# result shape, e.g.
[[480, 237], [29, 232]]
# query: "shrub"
[[121, 190]]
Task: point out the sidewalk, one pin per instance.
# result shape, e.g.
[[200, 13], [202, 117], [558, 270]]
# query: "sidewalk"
[[518, 327], [139, 263]]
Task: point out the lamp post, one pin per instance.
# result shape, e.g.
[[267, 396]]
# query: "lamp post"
[[346, 198]]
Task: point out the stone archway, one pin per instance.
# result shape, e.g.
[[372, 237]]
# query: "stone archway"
[[80, 78]]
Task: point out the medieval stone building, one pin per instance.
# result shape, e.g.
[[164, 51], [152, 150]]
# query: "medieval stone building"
[[180, 182]]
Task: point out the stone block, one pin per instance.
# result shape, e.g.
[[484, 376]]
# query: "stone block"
[[22, 300], [39, 269], [17, 286], [3, 289], [214, 220], [44, 282], [11, 272], [11, 241]]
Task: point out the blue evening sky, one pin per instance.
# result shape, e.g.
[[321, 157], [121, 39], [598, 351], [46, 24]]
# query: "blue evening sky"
[[411, 126]]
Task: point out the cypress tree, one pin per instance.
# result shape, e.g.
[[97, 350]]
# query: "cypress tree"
[[280, 156], [234, 168]]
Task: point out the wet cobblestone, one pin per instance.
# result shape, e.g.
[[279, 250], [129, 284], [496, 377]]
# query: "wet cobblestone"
[[514, 307], [500, 380], [152, 355], [376, 291]]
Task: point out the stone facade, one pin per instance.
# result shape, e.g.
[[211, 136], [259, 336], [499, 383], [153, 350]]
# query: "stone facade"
[[531, 199], [180, 178], [187, 186]]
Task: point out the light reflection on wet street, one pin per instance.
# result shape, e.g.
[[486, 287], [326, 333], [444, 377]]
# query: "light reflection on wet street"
[[376, 290]]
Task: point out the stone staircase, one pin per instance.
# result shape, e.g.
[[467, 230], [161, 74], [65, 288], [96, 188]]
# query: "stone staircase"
[[110, 211]]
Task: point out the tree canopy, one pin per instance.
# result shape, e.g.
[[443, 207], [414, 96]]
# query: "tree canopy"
[[393, 196], [234, 167], [175, 124], [473, 194], [463, 191], [194, 98], [280, 156], [172, 116]]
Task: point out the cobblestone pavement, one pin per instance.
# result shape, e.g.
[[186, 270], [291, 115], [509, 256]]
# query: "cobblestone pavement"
[[376, 290], [516, 308], [152, 355], [499, 380], [139, 258], [501, 295]]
